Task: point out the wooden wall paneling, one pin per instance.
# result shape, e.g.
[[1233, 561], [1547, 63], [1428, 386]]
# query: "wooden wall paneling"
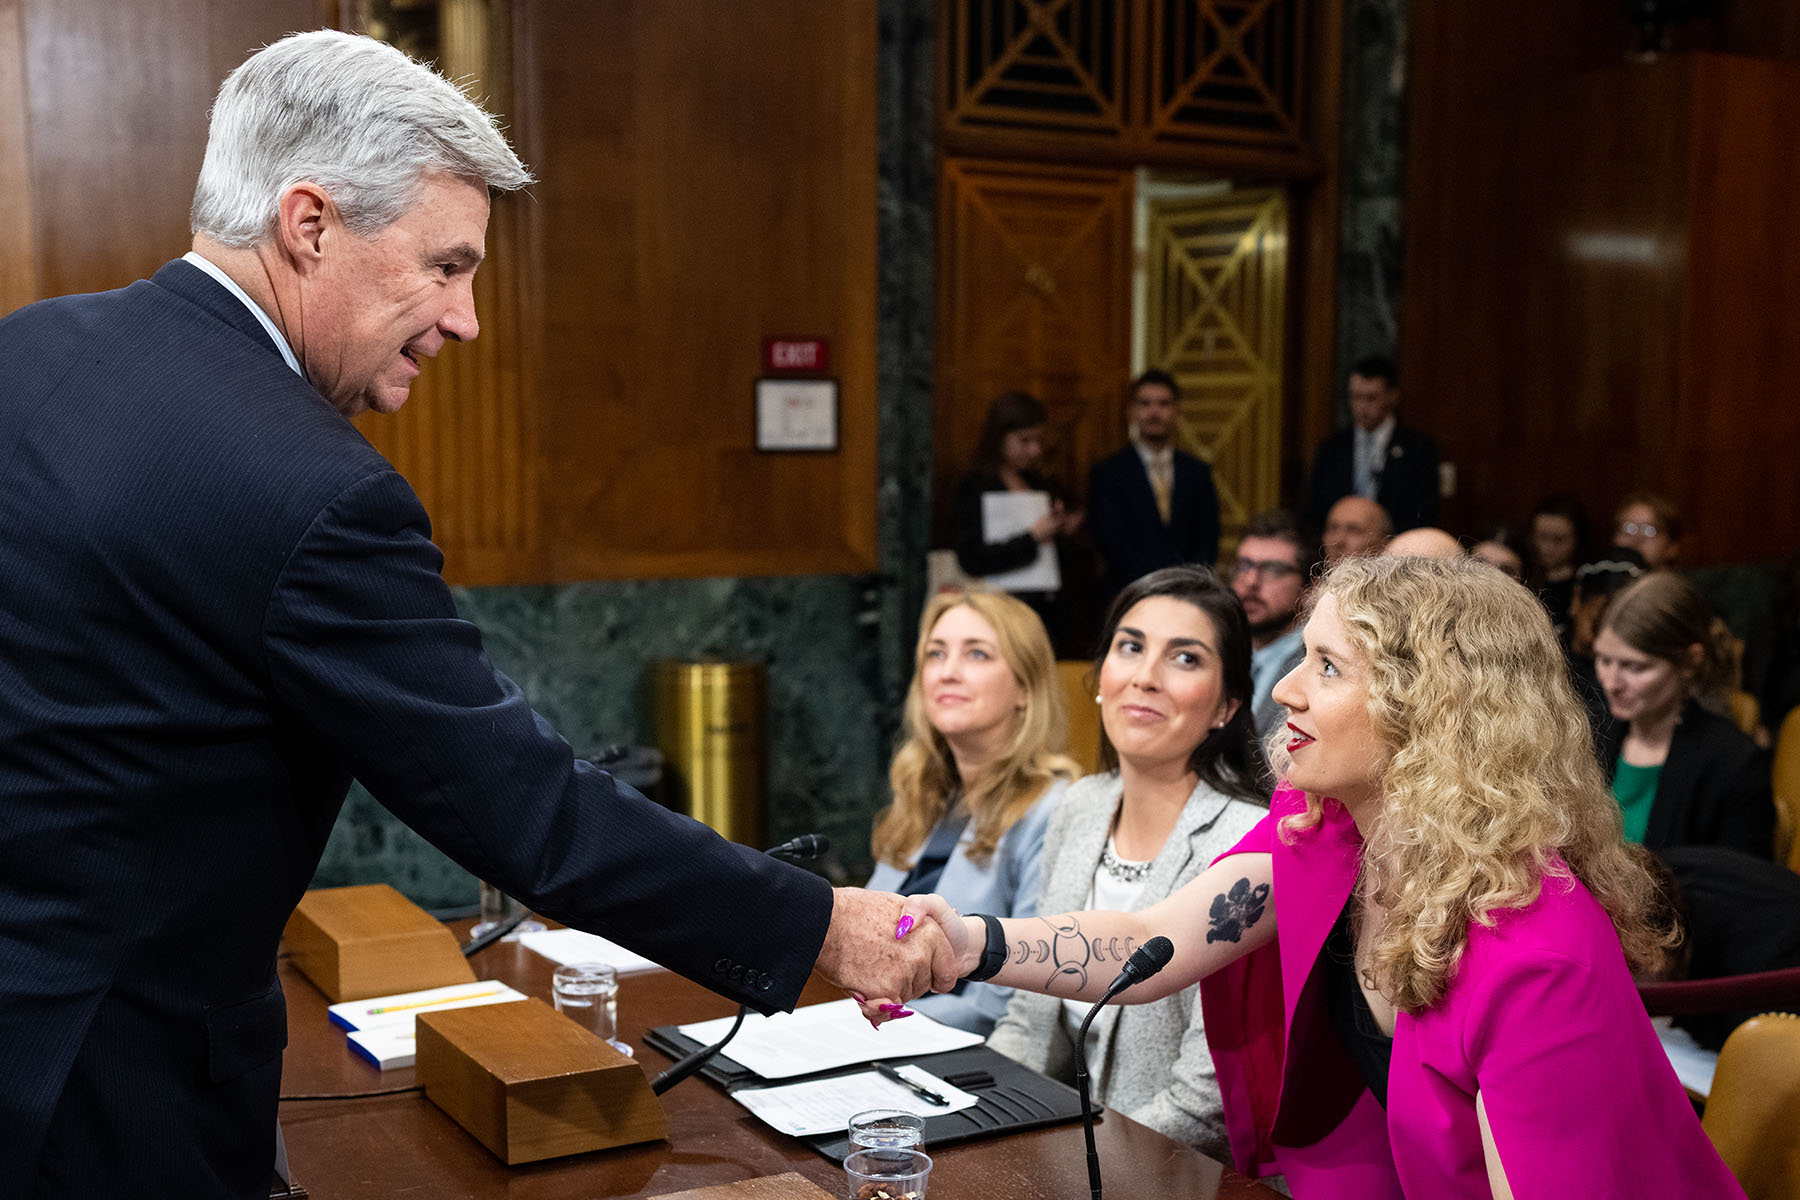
[[1739, 426], [1310, 399], [1034, 292], [18, 250], [708, 179]]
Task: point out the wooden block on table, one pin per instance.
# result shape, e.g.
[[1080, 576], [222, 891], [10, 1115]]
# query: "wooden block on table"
[[530, 1084], [357, 942], [790, 1186]]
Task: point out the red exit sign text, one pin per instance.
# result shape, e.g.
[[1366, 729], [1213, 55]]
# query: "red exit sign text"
[[796, 354]]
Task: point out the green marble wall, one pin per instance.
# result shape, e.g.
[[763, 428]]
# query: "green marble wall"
[[838, 648]]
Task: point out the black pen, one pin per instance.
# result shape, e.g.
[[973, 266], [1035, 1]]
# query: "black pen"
[[917, 1089]]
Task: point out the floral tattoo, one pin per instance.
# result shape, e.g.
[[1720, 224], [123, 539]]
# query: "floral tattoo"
[[1235, 911]]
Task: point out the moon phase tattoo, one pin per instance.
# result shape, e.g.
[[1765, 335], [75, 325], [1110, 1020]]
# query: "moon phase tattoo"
[[1068, 952], [1236, 910]]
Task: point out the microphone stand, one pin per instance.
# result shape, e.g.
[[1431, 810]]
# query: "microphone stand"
[[806, 846], [1146, 961]]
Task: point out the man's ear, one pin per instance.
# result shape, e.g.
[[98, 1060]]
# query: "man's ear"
[[303, 216]]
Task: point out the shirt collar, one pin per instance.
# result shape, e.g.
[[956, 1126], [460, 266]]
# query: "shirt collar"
[[230, 285]]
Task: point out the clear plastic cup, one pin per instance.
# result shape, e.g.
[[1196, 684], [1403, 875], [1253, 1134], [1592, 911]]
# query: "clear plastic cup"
[[886, 1129], [893, 1174]]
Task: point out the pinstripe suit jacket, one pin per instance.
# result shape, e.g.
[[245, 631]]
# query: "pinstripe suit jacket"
[[218, 604]]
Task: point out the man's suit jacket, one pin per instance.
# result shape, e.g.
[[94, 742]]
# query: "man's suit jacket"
[[218, 604], [1407, 488], [1714, 789], [1129, 531]]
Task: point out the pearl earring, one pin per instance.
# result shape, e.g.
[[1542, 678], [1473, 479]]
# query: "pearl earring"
[[1096, 697]]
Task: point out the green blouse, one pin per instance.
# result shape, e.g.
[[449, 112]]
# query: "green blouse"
[[1635, 790]]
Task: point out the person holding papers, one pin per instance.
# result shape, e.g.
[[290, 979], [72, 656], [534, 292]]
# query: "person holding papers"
[[977, 774], [1174, 694], [1007, 516]]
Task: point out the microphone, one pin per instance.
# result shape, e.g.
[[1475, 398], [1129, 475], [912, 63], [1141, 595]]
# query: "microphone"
[[1144, 962], [806, 846]]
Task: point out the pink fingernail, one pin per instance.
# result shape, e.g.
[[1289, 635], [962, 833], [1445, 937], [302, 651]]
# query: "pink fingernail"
[[873, 1023], [903, 928], [904, 1012], [892, 1008], [859, 997]]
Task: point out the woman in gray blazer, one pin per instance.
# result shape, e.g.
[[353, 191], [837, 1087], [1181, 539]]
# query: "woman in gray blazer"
[[1173, 681], [978, 772]]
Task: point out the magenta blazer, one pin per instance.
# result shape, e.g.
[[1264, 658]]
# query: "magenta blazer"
[[1541, 1015]]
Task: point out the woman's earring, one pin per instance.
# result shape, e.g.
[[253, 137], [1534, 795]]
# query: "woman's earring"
[[1096, 697]]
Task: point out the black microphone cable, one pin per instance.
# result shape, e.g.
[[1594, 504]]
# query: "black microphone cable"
[[1146, 961], [806, 846]]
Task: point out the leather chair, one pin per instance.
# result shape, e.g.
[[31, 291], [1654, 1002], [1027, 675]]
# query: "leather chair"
[[1787, 791], [1753, 1113]]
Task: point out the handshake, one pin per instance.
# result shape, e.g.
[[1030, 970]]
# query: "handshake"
[[885, 949]]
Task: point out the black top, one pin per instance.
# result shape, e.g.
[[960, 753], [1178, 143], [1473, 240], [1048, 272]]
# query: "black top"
[[1369, 1048], [1714, 790]]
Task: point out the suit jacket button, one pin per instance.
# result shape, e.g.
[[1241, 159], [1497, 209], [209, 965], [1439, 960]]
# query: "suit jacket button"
[[722, 966], [763, 982], [736, 973]]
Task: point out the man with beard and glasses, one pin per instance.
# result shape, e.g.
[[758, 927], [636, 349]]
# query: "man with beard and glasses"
[[1275, 564]]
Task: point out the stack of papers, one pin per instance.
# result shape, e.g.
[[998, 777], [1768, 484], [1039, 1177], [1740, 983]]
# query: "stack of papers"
[[826, 1105], [564, 946], [820, 1037], [380, 1028]]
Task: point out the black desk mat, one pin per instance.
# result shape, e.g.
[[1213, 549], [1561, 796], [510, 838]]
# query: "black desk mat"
[[1009, 1097]]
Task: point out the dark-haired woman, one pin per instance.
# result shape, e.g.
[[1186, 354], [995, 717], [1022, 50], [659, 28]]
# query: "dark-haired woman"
[[1683, 773], [1174, 692], [1007, 459]]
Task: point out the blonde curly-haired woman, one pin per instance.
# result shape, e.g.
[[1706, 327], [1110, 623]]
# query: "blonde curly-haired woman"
[[1417, 972], [979, 768]]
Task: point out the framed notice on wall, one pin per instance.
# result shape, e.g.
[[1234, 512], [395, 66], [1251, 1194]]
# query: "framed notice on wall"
[[797, 414]]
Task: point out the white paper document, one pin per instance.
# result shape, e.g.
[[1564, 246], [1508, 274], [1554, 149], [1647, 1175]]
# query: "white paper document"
[[386, 1048], [564, 946], [1004, 516], [821, 1037], [397, 1012], [826, 1105]]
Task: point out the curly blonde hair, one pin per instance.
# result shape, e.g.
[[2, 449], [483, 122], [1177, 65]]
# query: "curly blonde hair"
[[1491, 784], [923, 775]]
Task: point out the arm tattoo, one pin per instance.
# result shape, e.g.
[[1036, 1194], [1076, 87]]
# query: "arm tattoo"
[[1067, 951], [1235, 911]]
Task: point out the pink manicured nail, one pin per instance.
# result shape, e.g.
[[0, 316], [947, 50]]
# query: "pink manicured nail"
[[859, 997], [891, 1008], [903, 928], [904, 1012], [873, 1023]]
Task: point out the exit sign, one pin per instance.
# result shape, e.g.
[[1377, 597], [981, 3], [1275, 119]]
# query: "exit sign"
[[796, 354]]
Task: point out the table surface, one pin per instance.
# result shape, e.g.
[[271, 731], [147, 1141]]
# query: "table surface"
[[400, 1144]]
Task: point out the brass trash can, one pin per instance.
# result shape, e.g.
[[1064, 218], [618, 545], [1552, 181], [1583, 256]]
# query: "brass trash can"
[[712, 729]]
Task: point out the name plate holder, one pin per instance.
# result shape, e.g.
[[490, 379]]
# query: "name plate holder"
[[369, 940], [530, 1084]]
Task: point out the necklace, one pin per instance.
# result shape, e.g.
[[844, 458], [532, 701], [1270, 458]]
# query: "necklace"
[[1119, 869]]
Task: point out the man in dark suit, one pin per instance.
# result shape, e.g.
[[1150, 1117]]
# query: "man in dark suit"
[[218, 604], [1377, 457], [1150, 505]]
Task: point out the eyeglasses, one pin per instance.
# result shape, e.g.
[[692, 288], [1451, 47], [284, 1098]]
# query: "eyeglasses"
[[1271, 569], [1636, 529]]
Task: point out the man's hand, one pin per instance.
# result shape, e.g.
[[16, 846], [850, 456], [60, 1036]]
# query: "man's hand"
[[960, 933], [870, 951]]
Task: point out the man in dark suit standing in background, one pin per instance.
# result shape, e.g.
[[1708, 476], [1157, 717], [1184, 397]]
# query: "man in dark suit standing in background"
[[219, 604], [1377, 457], [1151, 505]]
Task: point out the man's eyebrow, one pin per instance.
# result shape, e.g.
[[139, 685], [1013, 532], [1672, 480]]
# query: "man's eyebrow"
[[462, 254]]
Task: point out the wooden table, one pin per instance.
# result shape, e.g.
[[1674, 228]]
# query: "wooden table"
[[402, 1145]]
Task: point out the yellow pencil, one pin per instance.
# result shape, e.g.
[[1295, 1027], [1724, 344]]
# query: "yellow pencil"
[[388, 1008]]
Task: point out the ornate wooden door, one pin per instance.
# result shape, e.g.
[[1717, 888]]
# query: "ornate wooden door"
[[1215, 310]]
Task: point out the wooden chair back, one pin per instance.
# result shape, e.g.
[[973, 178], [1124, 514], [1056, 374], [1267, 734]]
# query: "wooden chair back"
[[1084, 714], [1787, 791], [1753, 1112]]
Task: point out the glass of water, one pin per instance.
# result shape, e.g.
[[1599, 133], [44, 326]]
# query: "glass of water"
[[588, 994], [887, 1129], [497, 908]]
